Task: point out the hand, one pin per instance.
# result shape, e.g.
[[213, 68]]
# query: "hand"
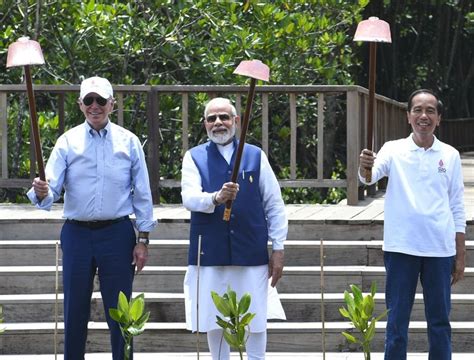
[[140, 256], [275, 266], [460, 259], [366, 161], [228, 192], [41, 188], [458, 269]]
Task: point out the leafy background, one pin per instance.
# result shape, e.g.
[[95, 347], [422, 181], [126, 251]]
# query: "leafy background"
[[201, 43]]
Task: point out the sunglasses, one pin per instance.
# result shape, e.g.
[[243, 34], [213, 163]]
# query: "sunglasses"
[[213, 118], [88, 100]]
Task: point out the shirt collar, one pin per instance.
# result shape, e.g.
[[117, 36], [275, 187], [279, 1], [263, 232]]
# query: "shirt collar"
[[436, 146], [103, 132]]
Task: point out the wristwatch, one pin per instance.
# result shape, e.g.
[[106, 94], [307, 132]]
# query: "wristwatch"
[[143, 240]]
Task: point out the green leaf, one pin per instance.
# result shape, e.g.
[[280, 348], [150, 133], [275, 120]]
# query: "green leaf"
[[123, 304], [349, 337], [116, 315], [221, 305], [136, 308], [373, 288], [246, 319], [244, 303], [358, 297], [344, 313], [231, 339], [370, 332], [381, 316], [135, 330], [222, 323]]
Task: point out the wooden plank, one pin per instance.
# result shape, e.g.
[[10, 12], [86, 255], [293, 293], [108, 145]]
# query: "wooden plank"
[[306, 212], [61, 114], [320, 149], [370, 213], [353, 147], [4, 135], [119, 98], [293, 129], [265, 123], [345, 212], [185, 120]]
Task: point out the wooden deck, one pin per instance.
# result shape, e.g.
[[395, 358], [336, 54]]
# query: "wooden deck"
[[367, 211]]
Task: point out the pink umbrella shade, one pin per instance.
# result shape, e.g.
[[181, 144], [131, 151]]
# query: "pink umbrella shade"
[[254, 69], [24, 52], [374, 30]]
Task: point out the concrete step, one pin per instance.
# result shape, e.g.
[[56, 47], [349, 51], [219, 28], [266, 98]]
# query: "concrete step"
[[38, 338], [296, 279], [175, 252], [329, 222], [42, 226], [169, 307], [235, 356]]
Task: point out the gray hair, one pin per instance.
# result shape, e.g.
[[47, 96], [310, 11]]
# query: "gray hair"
[[225, 100]]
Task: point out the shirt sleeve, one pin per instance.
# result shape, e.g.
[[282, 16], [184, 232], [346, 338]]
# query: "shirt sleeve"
[[55, 174], [192, 194], [381, 165], [456, 196], [273, 205], [142, 200]]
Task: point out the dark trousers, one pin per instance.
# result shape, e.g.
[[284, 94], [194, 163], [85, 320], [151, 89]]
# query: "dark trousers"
[[403, 272], [107, 250]]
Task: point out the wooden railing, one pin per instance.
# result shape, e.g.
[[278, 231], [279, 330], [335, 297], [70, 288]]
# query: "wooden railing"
[[458, 133], [390, 124]]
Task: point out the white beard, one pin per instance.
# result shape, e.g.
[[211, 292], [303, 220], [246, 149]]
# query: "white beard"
[[223, 137]]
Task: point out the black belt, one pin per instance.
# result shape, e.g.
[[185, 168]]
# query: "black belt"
[[96, 224]]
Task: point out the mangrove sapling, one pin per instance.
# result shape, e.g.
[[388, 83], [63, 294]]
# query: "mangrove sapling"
[[360, 312], [131, 318], [237, 319]]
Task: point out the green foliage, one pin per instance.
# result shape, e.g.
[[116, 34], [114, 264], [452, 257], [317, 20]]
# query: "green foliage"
[[237, 319], [131, 318], [359, 310], [184, 42]]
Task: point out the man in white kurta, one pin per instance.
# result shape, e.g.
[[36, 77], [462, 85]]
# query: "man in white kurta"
[[220, 120]]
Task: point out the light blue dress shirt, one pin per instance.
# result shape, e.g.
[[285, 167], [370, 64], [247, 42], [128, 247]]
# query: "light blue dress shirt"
[[104, 175]]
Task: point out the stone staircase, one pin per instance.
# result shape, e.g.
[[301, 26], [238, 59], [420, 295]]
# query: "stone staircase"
[[352, 255]]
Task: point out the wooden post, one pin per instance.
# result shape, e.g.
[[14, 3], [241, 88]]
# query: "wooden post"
[[353, 146], [153, 159]]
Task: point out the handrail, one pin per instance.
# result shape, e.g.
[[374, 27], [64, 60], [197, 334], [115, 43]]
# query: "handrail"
[[390, 123]]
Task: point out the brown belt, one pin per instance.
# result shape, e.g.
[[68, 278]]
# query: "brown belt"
[[96, 224]]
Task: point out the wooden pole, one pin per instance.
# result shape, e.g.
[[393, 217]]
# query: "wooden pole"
[[370, 117], [323, 327], [197, 295], [56, 288], [34, 123], [243, 134]]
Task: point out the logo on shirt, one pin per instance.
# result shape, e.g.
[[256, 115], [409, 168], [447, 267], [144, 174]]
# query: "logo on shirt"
[[441, 168]]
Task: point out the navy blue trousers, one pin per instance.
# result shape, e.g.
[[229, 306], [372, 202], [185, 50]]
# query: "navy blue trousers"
[[403, 272], [107, 251]]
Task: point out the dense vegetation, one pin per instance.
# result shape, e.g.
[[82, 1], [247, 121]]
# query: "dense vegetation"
[[201, 42]]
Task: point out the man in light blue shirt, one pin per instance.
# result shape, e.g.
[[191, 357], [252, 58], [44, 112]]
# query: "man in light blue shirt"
[[101, 167]]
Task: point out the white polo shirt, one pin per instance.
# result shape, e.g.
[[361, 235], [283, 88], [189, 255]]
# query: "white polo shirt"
[[424, 201]]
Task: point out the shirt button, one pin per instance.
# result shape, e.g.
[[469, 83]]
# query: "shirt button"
[[232, 216], [232, 231], [229, 172]]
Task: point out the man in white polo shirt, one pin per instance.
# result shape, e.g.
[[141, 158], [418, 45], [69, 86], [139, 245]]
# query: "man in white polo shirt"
[[424, 230]]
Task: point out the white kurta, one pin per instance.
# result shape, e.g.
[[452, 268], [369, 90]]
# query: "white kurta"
[[242, 279]]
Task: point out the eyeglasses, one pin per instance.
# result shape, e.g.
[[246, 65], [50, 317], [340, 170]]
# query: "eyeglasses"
[[88, 100], [213, 118]]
